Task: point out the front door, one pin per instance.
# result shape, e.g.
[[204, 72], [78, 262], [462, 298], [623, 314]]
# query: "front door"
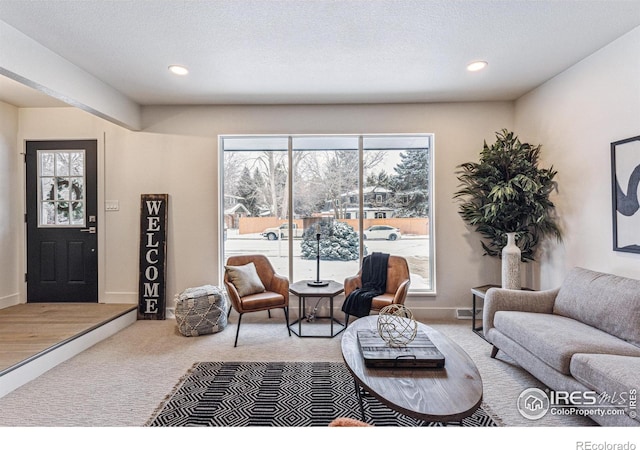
[[62, 250]]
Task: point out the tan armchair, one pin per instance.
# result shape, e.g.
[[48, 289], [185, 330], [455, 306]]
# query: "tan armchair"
[[276, 294], [398, 281]]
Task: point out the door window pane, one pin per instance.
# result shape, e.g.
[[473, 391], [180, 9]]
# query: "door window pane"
[[47, 187], [48, 216], [57, 187], [62, 163], [62, 216], [46, 164], [77, 163], [77, 213], [63, 188], [77, 188]]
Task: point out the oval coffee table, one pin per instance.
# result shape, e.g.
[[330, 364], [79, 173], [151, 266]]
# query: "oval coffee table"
[[445, 395]]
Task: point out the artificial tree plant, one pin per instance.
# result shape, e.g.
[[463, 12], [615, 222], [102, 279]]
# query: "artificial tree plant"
[[507, 192]]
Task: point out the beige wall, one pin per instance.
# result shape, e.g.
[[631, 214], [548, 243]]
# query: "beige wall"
[[177, 154], [459, 129], [10, 209], [576, 116], [134, 163]]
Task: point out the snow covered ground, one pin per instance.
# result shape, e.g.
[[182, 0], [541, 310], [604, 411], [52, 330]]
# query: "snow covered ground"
[[414, 248]]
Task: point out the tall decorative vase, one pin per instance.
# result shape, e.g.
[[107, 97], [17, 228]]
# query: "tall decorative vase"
[[511, 264]]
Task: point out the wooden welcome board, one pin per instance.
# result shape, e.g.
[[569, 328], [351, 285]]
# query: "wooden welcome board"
[[153, 252]]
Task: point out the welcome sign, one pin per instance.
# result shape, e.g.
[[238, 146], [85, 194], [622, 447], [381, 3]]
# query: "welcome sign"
[[153, 248]]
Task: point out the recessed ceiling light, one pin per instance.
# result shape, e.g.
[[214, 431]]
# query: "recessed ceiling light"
[[477, 65], [178, 70]]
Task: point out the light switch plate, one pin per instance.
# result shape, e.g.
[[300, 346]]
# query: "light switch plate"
[[112, 205]]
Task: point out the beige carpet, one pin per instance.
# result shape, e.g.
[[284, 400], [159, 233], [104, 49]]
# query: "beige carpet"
[[121, 381]]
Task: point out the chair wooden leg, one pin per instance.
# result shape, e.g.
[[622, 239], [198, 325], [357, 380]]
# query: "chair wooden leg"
[[269, 312], [235, 344], [494, 351], [286, 318], [346, 320]]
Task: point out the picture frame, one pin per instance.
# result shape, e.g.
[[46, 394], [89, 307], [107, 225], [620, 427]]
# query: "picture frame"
[[625, 181]]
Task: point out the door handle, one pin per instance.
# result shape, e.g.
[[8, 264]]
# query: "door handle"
[[91, 230]]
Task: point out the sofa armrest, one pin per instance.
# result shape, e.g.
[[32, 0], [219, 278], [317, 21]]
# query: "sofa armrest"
[[498, 299]]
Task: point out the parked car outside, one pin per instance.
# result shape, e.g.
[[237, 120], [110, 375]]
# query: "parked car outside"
[[382, 232], [282, 232]]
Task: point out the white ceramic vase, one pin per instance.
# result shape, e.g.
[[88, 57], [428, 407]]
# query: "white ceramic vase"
[[511, 264]]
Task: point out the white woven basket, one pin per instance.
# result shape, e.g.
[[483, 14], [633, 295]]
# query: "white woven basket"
[[201, 310]]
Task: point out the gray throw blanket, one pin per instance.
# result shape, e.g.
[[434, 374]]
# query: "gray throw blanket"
[[374, 283]]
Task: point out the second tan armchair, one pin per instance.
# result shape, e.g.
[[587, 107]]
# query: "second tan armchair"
[[398, 282]]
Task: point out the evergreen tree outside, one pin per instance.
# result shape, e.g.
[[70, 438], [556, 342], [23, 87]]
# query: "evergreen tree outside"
[[410, 184], [338, 241], [260, 186], [381, 179], [249, 190]]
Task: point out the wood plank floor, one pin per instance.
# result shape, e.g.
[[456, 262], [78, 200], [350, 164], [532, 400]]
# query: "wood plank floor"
[[31, 329]]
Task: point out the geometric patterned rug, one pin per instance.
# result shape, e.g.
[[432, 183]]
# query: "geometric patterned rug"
[[276, 394]]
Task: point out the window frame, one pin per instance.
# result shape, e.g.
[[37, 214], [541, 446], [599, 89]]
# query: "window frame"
[[360, 214]]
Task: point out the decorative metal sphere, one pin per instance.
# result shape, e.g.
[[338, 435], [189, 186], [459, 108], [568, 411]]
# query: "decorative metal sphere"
[[396, 325]]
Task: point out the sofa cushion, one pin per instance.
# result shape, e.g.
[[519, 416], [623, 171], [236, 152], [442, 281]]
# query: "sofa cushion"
[[613, 377], [555, 339], [608, 302]]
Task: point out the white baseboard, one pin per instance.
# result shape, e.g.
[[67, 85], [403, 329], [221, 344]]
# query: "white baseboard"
[[422, 314], [120, 297], [34, 367], [9, 300], [132, 297]]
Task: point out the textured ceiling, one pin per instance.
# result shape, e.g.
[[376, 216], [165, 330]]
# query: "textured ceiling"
[[321, 51]]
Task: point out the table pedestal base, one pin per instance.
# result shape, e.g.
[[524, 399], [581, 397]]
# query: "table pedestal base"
[[304, 290]]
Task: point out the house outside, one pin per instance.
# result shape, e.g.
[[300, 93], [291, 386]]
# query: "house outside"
[[234, 209]]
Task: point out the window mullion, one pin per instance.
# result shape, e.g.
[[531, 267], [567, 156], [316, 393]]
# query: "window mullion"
[[361, 195], [290, 205]]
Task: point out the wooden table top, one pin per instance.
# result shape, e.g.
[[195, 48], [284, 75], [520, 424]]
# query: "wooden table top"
[[481, 291], [434, 395]]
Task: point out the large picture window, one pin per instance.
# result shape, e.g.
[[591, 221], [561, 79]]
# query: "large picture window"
[[361, 193]]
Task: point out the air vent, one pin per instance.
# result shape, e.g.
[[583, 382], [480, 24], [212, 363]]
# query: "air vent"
[[468, 313]]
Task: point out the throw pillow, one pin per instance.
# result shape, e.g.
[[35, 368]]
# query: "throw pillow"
[[245, 279]]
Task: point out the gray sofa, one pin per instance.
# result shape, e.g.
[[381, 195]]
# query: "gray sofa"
[[582, 336]]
